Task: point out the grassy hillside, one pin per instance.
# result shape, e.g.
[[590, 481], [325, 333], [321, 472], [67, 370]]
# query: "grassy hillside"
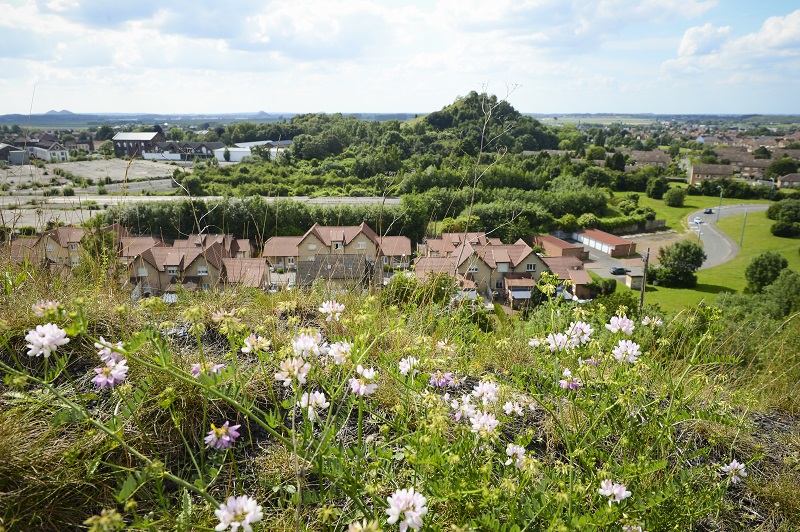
[[327, 416]]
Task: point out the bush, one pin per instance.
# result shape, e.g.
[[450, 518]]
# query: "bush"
[[785, 229], [675, 196], [68, 191]]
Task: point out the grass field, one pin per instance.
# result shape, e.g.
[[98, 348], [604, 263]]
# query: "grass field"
[[729, 277]]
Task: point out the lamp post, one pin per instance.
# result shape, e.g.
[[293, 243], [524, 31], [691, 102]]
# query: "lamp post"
[[771, 189], [720, 201], [699, 233]]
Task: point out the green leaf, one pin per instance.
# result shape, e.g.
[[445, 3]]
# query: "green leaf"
[[128, 488]]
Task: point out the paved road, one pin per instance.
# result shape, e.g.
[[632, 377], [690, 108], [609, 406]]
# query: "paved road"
[[719, 247]]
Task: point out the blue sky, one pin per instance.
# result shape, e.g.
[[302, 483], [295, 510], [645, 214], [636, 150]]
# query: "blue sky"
[[548, 56]]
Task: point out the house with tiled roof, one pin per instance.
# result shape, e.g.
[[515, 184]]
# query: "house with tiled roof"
[[486, 262], [60, 246], [571, 269], [344, 256], [703, 172], [788, 181], [248, 272], [755, 168], [281, 252], [604, 242]]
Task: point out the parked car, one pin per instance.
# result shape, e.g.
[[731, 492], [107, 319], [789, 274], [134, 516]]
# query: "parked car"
[[619, 270], [698, 220], [708, 211]]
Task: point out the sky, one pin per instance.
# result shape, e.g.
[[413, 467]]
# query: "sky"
[[383, 56]]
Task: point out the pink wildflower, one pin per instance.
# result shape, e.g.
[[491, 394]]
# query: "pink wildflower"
[[238, 512], [441, 380], [620, 323], [111, 374], [45, 339], [569, 382], [735, 471], [222, 437], [484, 424], [626, 351], [516, 454], [108, 351], [339, 351], [409, 505], [206, 368], [332, 309], [293, 368], [255, 343], [361, 386]]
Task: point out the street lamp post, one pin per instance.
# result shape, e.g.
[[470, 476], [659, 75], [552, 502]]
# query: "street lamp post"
[[720, 201], [699, 233], [771, 189]]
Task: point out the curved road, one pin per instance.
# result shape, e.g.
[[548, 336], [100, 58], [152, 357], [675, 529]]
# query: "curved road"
[[719, 247]]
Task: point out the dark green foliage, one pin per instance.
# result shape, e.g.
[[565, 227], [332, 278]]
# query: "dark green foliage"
[[678, 264], [674, 197], [763, 270], [781, 167], [657, 187]]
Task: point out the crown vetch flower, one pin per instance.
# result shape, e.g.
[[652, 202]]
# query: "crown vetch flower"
[[255, 343], [332, 309], [735, 471], [313, 401], [293, 368], [361, 386], [486, 391], [111, 374], [441, 380], [407, 364], [238, 512], [513, 407], [45, 339], [408, 504], [516, 454], [620, 323], [626, 351], [580, 332], [655, 321], [222, 437], [339, 351], [464, 408], [107, 352], [42, 308], [309, 344], [206, 368], [484, 424], [559, 342], [569, 382], [615, 492]]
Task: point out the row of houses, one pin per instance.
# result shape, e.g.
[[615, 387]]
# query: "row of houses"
[[341, 256]]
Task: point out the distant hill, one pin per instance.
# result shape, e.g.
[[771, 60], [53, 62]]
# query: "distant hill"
[[65, 118]]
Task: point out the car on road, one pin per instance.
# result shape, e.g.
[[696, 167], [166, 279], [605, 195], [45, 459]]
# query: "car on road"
[[698, 220], [619, 270], [708, 211]]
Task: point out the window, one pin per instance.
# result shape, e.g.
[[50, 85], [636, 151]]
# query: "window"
[[312, 246], [530, 267], [73, 246], [311, 258], [202, 270], [385, 259], [361, 245], [498, 283], [74, 261], [289, 260], [141, 272], [172, 270], [337, 245], [473, 268]]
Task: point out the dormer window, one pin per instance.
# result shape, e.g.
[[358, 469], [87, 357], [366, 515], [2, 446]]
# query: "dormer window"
[[73, 247], [202, 270], [172, 270], [361, 245], [337, 245], [473, 268], [530, 267]]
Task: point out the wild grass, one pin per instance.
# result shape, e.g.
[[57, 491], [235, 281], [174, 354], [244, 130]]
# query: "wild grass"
[[704, 391]]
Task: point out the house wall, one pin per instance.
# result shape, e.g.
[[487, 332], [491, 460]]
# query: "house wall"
[[303, 251], [483, 277], [369, 250], [212, 279]]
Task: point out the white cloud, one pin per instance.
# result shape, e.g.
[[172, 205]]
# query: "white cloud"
[[702, 40], [710, 50]]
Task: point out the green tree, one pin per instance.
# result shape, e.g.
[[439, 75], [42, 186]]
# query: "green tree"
[[762, 153], [596, 153], [106, 148], [104, 132], [678, 264], [781, 167], [674, 197], [226, 154], [657, 187], [763, 270]]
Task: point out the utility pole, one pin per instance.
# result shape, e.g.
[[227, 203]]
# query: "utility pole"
[[644, 280], [720, 202], [741, 240]]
